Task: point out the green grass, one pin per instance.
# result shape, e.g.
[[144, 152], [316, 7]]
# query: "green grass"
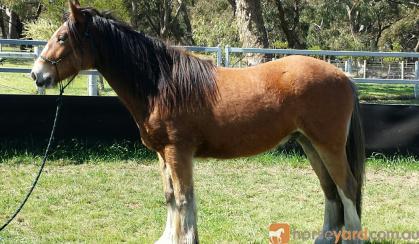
[[16, 83], [388, 94], [114, 198]]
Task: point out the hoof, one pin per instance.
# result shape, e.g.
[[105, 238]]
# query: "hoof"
[[164, 240]]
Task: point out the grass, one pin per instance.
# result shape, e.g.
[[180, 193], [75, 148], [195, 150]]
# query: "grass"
[[388, 94], [118, 197]]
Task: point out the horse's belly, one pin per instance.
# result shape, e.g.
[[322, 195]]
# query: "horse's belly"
[[245, 139], [239, 148]]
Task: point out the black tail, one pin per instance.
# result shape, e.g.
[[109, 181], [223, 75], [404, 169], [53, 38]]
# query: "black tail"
[[355, 150]]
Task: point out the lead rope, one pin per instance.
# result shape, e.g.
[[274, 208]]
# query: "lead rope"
[[51, 138]]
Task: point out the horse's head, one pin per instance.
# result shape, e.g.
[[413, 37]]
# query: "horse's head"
[[67, 52]]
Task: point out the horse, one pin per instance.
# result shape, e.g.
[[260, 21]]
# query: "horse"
[[186, 107]]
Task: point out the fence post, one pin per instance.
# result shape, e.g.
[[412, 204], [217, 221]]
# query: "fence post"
[[227, 53], [37, 51], [365, 69], [219, 56], [92, 85], [417, 79], [348, 66], [402, 70]]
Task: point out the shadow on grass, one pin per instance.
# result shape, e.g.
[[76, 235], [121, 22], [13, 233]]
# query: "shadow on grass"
[[73, 151]]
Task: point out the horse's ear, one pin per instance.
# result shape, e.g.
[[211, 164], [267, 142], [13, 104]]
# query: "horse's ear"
[[75, 11]]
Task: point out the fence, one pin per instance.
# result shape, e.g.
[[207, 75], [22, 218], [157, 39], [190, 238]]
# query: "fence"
[[362, 72], [93, 75]]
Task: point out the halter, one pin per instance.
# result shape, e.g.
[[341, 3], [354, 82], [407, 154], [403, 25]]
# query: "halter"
[[57, 61]]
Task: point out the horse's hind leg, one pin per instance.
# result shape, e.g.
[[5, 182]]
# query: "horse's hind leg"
[[333, 212], [168, 233], [336, 163]]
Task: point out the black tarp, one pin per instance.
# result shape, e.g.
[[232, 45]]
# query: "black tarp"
[[388, 128]]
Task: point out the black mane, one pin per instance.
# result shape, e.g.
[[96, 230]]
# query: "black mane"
[[167, 78]]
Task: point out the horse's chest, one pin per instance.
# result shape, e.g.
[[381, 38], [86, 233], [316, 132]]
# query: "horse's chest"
[[154, 137]]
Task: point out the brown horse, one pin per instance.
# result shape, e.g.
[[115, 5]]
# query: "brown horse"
[[186, 107]]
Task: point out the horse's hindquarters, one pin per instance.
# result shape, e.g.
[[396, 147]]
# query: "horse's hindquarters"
[[260, 107]]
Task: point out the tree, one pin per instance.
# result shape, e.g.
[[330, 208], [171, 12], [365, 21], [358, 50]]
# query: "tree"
[[213, 23], [2, 27], [290, 24], [251, 26], [17, 11], [167, 19]]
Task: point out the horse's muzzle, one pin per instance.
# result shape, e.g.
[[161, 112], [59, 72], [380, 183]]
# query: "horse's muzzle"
[[41, 80]]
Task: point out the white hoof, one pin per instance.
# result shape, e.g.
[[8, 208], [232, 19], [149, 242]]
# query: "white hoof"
[[164, 240]]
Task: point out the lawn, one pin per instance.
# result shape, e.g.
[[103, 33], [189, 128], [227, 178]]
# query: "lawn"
[[116, 199]]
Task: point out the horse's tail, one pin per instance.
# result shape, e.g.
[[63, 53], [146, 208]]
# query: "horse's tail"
[[355, 150]]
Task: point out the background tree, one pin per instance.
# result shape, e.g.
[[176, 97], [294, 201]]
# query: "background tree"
[[167, 19], [14, 12], [213, 23], [251, 26], [289, 21], [313, 24]]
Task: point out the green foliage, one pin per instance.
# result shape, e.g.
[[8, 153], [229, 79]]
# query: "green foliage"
[[40, 29], [403, 32], [55, 9], [373, 25], [280, 44], [213, 23]]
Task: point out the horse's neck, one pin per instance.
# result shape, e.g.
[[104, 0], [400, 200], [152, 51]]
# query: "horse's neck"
[[132, 101]]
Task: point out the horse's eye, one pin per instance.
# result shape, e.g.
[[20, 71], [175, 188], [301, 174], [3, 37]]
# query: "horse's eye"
[[62, 39]]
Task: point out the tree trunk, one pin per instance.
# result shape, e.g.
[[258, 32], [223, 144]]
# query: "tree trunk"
[[233, 5], [417, 46], [2, 27], [165, 19], [38, 11], [134, 14], [353, 18], [12, 24], [290, 35], [189, 35], [251, 27]]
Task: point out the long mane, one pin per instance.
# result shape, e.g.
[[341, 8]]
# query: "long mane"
[[167, 78]]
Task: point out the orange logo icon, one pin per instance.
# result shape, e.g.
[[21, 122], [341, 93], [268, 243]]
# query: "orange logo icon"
[[279, 233]]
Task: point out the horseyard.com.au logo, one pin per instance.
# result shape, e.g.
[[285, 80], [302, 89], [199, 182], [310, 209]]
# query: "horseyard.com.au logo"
[[279, 233]]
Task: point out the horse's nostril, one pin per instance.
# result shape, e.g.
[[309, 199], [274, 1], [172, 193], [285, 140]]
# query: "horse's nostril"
[[39, 83], [33, 75]]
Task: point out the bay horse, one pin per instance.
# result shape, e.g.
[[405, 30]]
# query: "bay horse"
[[186, 107]]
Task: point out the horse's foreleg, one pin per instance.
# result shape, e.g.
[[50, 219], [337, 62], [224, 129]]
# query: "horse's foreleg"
[[169, 233], [179, 163]]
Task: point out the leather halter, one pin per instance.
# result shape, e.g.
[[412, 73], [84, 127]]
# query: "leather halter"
[[57, 61]]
